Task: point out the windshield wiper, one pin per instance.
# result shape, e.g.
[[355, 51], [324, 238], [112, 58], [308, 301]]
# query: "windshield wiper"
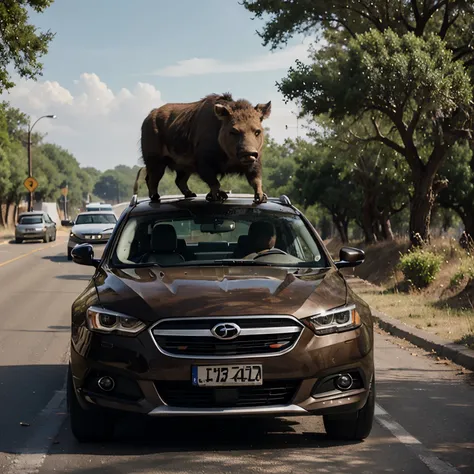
[[237, 261]]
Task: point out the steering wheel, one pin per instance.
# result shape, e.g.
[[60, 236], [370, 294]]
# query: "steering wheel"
[[270, 252]]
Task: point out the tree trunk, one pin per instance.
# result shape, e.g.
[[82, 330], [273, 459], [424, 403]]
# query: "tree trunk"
[[367, 222], [2, 220], [420, 209], [386, 226], [341, 226], [7, 213], [467, 239]]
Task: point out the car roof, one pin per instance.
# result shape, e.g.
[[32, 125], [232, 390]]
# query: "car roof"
[[32, 213], [95, 212], [179, 202]]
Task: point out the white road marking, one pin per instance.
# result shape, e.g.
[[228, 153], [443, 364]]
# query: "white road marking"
[[433, 463], [30, 458]]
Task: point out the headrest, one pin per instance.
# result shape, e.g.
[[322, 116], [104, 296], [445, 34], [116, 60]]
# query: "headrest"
[[243, 240], [163, 238], [261, 229]]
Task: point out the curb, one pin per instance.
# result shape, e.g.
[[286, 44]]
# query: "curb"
[[457, 353]]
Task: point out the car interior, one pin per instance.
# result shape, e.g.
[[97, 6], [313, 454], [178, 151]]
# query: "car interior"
[[160, 243]]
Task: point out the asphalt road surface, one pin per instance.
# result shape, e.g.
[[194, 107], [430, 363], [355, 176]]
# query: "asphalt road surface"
[[424, 422]]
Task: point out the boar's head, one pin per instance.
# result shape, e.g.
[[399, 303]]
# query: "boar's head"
[[241, 134]]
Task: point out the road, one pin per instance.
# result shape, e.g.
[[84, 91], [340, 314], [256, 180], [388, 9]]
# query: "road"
[[425, 407]]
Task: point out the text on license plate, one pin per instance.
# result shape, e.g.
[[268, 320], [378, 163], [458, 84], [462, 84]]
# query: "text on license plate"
[[226, 375]]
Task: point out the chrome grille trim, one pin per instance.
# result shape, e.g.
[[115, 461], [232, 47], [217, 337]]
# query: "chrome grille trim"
[[208, 333], [296, 328]]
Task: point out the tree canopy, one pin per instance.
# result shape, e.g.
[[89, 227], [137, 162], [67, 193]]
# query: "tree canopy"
[[21, 44]]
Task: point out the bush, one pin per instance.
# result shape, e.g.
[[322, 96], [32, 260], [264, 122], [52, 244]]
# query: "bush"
[[420, 267]]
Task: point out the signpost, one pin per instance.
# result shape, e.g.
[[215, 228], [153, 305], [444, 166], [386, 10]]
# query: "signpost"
[[31, 184]]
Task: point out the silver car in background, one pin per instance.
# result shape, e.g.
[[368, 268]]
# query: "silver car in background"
[[35, 225], [92, 228]]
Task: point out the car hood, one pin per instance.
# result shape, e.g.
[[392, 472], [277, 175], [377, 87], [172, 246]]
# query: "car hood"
[[81, 229], [155, 293]]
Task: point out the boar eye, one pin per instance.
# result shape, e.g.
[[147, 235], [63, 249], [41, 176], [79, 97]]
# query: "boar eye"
[[257, 132]]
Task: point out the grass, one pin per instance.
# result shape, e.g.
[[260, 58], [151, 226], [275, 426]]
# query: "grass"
[[444, 308]]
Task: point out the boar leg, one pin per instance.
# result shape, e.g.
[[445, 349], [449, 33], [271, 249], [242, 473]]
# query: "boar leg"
[[256, 182], [182, 183], [155, 171], [209, 176]]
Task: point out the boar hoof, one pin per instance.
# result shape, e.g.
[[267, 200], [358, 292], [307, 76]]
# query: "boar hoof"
[[218, 196], [155, 197], [260, 199], [190, 194]]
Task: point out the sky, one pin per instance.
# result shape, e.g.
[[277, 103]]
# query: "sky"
[[112, 61]]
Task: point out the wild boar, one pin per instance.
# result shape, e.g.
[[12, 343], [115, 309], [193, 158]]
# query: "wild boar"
[[213, 136]]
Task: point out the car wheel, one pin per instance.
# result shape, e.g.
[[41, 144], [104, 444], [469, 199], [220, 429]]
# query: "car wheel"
[[354, 426], [18, 241], [87, 425], [46, 238], [69, 256]]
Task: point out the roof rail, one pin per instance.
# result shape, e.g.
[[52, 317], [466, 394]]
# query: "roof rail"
[[284, 199], [134, 200]]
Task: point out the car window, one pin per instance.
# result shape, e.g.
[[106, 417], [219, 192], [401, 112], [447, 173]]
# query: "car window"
[[31, 220], [200, 238], [96, 219]]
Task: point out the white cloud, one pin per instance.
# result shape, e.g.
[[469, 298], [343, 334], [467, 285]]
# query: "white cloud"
[[101, 128], [271, 61]]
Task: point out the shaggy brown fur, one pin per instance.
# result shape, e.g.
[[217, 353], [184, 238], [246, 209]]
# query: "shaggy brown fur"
[[213, 136]]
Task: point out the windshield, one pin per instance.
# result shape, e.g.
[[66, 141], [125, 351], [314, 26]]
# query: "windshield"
[[96, 219], [239, 237], [31, 220]]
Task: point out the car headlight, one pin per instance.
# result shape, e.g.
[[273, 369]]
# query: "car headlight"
[[75, 236], [106, 321], [335, 320]]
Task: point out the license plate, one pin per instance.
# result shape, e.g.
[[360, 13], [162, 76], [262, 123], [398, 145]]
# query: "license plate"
[[226, 375]]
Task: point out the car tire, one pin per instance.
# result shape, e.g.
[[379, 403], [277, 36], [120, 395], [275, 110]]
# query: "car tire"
[[87, 425], [18, 241], [46, 238], [69, 256], [354, 426]]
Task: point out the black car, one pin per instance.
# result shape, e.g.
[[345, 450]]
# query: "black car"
[[216, 309]]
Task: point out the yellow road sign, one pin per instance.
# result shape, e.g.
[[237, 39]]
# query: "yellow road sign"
[[64, 191], [31, 184]]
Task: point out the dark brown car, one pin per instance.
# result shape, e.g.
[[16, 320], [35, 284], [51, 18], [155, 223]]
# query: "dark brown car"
[[216, 309]]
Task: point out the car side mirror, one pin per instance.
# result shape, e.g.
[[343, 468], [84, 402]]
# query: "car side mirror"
[[83, 254], [67, 223], [350, 257]]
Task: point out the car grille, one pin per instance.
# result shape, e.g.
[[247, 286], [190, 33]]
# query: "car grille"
[[259, 336], [185, 395]]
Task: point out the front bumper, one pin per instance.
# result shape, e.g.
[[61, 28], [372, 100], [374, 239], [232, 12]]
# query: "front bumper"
[[145, 377], [73, 241]]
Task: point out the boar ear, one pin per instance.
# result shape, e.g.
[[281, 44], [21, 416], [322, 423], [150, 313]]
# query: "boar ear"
[[264, 110], [222, 111]]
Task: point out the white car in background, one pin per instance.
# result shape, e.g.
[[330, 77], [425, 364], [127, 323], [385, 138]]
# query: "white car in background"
[[92, 228]]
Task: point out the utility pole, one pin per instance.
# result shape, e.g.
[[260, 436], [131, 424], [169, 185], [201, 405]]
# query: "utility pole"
[[30, 162]]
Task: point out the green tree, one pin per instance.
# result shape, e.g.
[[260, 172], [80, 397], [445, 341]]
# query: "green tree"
[[459, 170], [319, 179], [22, 45], [339, 22], [409, 88]]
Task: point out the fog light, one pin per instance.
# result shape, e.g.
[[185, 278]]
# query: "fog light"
[[344, 382], [106, 383]]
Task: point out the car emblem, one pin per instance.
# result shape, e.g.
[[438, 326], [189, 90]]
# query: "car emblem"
[[225, 331]]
